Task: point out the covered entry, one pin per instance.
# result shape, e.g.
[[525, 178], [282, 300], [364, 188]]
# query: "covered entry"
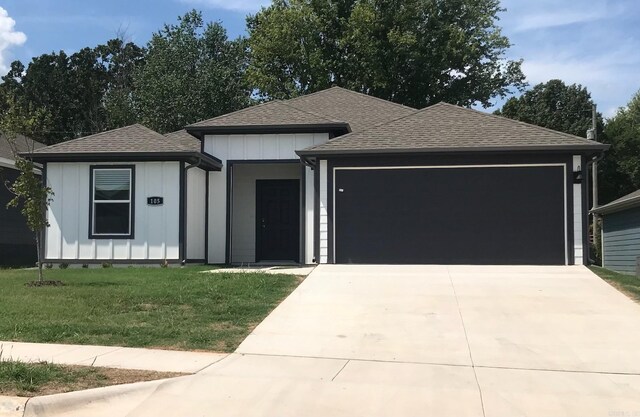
[[484, 214]]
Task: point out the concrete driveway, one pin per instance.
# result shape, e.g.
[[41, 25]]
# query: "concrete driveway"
[[415, 340]]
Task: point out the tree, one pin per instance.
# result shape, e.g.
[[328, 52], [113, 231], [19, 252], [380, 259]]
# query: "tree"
[[621, 165], [414, 52], [31, 195], [554, 105], [192, 72]]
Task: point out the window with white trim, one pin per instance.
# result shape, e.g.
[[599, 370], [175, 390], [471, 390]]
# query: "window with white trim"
[[112, 202]]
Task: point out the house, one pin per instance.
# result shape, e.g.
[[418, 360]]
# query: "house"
[[330, 177], [17, 242], [621, 233]]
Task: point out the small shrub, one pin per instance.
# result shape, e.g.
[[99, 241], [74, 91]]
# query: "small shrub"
[[107, 264], [85, 266], [164, 264], [48, 266], [63, 265]]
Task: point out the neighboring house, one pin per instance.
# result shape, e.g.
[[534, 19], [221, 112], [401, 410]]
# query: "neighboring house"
[[330, 177], [621, 233], [17, 242]]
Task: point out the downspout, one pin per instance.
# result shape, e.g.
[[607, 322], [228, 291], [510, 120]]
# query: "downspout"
[[594, 167], [184, 218], [308, 162]]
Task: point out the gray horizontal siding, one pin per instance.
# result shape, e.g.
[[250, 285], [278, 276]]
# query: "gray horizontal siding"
[[621, 240]]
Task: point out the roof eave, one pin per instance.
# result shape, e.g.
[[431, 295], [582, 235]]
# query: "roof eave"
[[204, 161], [200, 131], [580, 149], [615, 207]]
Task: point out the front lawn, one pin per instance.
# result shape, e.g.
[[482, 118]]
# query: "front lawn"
[[172, 308], [31, 379], [627, 284]]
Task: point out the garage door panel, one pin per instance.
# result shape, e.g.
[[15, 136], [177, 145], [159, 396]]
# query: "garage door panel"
[[488, 215]]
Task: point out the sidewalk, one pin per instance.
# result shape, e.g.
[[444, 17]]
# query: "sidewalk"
[[110, 356]]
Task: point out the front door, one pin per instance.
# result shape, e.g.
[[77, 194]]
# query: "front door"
[[277, 220]]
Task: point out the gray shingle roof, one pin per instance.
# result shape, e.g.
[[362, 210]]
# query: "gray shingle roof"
[[184, 139], [333, 106], [445, 127], [628, 201], [134, 138], [22, 144], [267, 114], [361, 111]]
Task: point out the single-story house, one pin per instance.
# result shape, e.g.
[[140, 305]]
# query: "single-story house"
[[330, 177], [621, 233], [17, 242]]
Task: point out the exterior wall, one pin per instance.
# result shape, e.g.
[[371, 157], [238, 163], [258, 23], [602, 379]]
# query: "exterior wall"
[[242, 147], [157, 228], [243, 220], [17, 242], [621, 240], [324, 212], [578, 213], [196, 212]]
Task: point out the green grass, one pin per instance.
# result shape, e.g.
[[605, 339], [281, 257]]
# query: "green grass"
[[628, 284], [173, 308], [27, 378]]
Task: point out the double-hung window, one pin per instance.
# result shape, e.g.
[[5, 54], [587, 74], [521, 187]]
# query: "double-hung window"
[[112, 191]]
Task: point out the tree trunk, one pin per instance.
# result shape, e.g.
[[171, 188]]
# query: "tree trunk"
[[40, 277]]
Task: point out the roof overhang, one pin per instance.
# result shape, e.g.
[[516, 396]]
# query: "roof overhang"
[[576, 149], [201, 160], [335, 128], [618, 205]]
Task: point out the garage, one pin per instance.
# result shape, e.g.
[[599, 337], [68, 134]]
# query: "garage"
[[507, 214], [450, 185]]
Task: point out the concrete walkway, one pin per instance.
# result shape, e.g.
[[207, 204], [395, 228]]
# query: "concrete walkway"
[[110, 356], [412, 340]]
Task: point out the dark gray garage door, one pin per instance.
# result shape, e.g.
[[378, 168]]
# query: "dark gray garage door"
[[487, 215]]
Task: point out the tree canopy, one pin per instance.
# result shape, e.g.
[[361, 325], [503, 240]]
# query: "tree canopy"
[[555, 105], [192, 72], [413, 52], [621, 164]]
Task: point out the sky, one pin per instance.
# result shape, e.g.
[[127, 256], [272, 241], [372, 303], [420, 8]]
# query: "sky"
[[595, 43]]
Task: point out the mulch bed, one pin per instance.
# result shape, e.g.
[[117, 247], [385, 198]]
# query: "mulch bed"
[[46, 283]]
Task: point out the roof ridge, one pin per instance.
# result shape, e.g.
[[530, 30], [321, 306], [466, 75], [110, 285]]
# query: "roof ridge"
[[337, 87], [546, 129], [56, 145], [234, 112]]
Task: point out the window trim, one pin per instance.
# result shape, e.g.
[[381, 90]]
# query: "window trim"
[[132, 205]]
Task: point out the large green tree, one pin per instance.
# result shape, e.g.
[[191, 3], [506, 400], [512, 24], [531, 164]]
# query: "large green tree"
[[621, 165], [192, 72], [555, 105], [414, 52]]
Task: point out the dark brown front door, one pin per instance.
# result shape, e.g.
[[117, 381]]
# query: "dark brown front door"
[[277, 220]]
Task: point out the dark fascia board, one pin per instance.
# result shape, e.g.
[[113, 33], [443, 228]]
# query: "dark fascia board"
[[615, 207], [200, 131], [580, 149], [204, 161]]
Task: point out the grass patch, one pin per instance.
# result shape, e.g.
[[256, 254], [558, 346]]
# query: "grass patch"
[[627, 284], [42, 378], [170, 308]]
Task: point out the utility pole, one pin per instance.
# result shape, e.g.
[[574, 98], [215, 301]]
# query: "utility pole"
[[594, 173]]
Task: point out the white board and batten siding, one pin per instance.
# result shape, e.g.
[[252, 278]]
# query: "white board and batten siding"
[[254, 147], [156, 228], [196, 209]]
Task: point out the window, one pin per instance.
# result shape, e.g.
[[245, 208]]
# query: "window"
[[112, 202]]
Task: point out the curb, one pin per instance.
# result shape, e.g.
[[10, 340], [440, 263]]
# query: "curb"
[[12, 406], [67, 402]]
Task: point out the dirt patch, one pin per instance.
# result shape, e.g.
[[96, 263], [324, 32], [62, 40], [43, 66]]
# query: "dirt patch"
[[45, 283], [85, 377]]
